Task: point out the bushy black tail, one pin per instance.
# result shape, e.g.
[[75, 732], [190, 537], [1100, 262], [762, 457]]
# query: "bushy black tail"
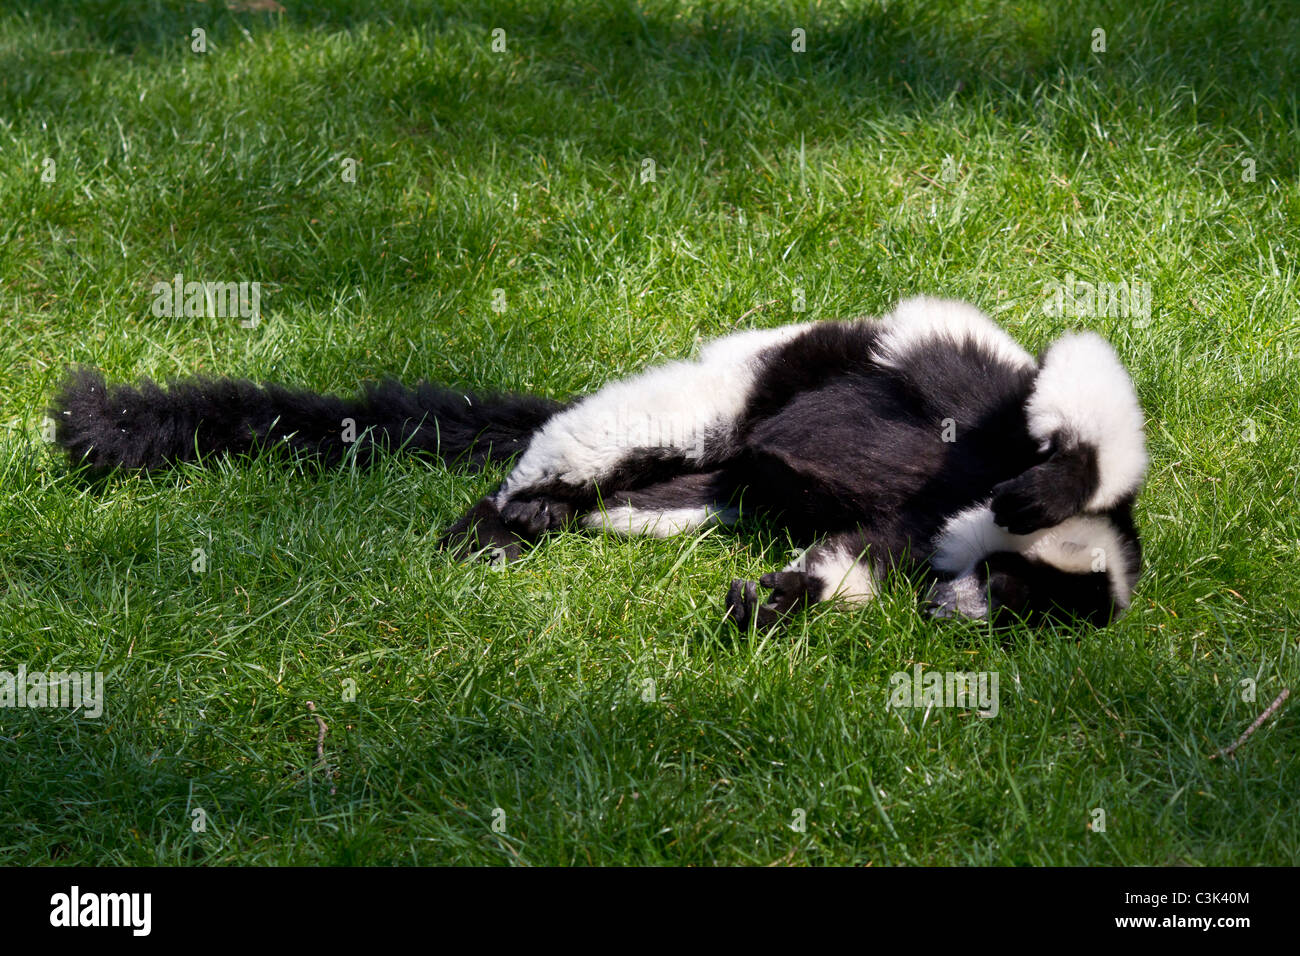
[[146, 425]]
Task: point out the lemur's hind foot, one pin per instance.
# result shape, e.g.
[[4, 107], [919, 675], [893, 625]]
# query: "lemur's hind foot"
[[536, 515], [502, 531], [484, 533], [790, 591]]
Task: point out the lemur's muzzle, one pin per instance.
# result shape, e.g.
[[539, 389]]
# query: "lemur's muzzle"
[[964, 596], [995, 587]]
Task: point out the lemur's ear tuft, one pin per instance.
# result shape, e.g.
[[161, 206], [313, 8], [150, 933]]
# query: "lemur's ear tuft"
[[1083, 396]]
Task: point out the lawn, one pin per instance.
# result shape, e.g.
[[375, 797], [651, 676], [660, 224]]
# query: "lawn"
[[618, 183]]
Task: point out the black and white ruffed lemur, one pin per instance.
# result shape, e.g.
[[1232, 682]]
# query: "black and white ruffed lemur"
[[927, 440]]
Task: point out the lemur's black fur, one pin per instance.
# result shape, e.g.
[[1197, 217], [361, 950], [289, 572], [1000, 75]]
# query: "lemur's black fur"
[[928, 439]]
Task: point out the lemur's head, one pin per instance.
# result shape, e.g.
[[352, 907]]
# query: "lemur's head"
[[1057, 541], [1084, 568]]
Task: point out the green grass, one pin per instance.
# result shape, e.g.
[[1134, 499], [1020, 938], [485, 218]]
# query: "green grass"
[[522, 689]]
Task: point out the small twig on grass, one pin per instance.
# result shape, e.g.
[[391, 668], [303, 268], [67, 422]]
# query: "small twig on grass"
[[320, 742], [1097, 697], [320, 738], [1272, 709], [917, 172], [758, 308]]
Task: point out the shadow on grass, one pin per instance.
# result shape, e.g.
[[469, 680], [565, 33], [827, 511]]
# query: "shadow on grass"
[[707, 89], [913, 54]]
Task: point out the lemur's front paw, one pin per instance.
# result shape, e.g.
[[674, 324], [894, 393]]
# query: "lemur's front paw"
[[536, 516], [1017, 507], [1032, 501], [1046, 494]]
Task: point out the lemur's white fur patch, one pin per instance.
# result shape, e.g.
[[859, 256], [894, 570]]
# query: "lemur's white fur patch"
[[1084, 390], [624, 519], [676, 407], [1079, 545], [917, 322], [841, 573], [967, 537]]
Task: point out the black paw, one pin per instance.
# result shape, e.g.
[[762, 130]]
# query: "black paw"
[[1018, 507], [742, 601], [536, 516], [789, 591], [482, 534], [1047, 494], [1032, 502]]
